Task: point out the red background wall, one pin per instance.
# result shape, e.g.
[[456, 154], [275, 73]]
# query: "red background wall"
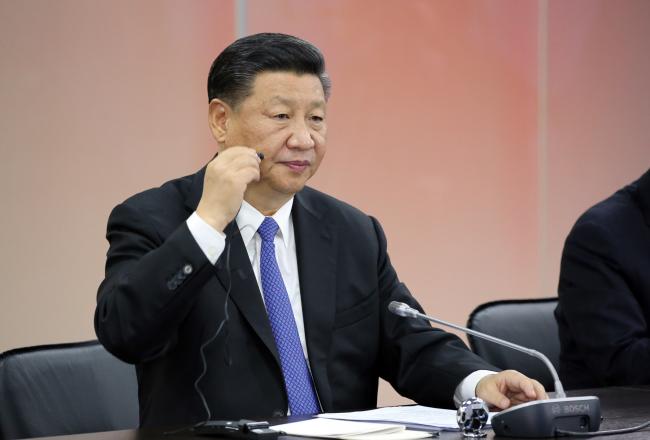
[[476, 131]]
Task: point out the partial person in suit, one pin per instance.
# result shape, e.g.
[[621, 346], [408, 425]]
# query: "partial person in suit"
[[604, 293], [240, 292]]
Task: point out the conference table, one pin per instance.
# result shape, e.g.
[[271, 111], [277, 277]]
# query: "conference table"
[[621, 407]]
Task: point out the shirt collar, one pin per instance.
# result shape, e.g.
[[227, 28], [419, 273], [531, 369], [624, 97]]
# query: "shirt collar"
[[249, 220]]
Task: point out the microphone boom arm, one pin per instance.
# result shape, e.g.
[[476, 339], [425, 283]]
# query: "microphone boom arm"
[[407, 311]]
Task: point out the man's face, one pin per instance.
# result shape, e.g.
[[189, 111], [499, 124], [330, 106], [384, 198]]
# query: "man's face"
[[283, 117]]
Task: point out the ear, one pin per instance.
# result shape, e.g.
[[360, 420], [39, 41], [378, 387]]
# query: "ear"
[[218, 114]]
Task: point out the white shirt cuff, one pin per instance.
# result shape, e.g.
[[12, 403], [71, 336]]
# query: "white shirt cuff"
[[467, 388], [211, 241]]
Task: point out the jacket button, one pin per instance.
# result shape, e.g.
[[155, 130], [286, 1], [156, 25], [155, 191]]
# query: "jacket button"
[[187, 269], [172, 284]]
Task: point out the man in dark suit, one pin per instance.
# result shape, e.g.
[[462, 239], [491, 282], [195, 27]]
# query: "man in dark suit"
[[604, 293], [240, 292]]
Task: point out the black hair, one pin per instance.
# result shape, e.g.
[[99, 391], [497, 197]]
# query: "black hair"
[[233, 71]]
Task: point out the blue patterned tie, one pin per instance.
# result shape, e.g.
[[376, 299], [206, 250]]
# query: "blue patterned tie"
[[300, 390]]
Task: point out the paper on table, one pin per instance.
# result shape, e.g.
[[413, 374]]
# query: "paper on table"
[[343, 429], [407, 434], [414, 415]]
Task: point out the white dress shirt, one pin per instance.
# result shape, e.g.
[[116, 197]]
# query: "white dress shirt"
[[249, 219]]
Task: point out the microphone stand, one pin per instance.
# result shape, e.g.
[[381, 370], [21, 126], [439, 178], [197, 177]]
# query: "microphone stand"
[[540, 418]]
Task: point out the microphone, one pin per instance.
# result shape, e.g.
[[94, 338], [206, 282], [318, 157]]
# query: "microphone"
[[540, 418], [406, 311]]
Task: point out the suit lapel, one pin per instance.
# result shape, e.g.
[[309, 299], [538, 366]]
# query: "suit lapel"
[[244, 290], [316, 244]]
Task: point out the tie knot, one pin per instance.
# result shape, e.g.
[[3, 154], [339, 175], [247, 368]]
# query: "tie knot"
[[268, 229]]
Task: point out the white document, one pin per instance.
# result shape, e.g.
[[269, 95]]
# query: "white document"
[[415, 415], [348, 430]]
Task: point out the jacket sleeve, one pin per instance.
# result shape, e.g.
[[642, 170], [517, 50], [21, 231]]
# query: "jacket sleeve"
[[421, 362], [150, 285], [601, 309]]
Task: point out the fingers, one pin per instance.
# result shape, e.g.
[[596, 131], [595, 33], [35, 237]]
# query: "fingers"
[[235, 155], [540, 392], [515, 382], [490, 391], [246, 162], [237, 171], [517, 395], [232, 170], [521, 382], [226, 179], [509, 388], [520, 397]]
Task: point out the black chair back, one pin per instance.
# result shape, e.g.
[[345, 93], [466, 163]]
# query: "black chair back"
[[527, 322], [65, 389]]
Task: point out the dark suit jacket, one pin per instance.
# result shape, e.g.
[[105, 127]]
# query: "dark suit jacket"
[[151, 313], [604, 293]]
